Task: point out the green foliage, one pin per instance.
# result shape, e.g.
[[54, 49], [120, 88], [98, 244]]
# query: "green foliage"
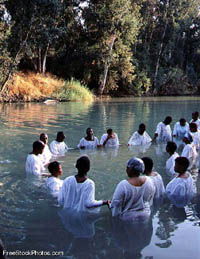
[[73, 91]]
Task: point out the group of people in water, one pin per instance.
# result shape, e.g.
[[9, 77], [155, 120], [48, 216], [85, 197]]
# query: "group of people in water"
[[133, 197]]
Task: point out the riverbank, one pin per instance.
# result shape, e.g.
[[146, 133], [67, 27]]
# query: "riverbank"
[[30, 87]]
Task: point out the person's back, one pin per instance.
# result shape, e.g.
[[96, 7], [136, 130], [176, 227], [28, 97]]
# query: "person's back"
[[163, 130], [53, 183], [189, 151], [171, 150], [78, 192], [180, 190], [34, 164], [58, 146]]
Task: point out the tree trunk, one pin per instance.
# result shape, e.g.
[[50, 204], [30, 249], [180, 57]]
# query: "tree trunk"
[[106, 67], [45, 59], [39, 61], [158, 59]]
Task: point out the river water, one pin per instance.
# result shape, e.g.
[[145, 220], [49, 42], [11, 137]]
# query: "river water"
[[30, 219]]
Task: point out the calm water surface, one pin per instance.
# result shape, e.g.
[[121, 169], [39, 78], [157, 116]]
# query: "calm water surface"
[[30, 220]]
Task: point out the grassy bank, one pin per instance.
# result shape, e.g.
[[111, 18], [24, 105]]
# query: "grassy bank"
[[38, 87]]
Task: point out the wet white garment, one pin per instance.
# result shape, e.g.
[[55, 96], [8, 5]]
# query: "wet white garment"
[[58, 148], [111, 142], [190, 152], [88, 144], [131, 201], [180, 191], [34, 165], [170, 163], [46, 155], [164, 132], [78, 196], [159, 186], [180, 131], [53, 185], [197, 122], [137, 139], [196, 139]]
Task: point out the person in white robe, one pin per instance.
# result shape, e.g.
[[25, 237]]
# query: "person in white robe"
[[195, 132], [78, 192], [46, 154], [140, 137], [90, 141], [190, 152], [53, 182], [34, 164], [109, 139], [170, 163], [58, 146], [163, 131], [155, 177], [180, 190], [195, 119], [132, 198], [180, 129]]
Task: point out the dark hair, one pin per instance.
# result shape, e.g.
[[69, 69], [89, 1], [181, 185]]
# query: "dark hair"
[[53, 167], [142, 125], [109, 131], [196, 114], [193, 125], [168, 120], [148, 163], [172, 146], [183, 161], [182, 120], [83, 165], [60, 134], [38, 145]]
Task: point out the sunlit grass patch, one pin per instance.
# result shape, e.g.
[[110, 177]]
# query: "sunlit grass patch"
[[74, 91], [31, 86]]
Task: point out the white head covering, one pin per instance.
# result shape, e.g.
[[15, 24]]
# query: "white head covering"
[[136, 164]]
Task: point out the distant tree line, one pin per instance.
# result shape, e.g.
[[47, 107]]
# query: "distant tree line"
[[112, 46]]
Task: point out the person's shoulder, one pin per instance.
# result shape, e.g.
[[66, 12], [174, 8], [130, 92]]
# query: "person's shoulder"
[[70, 178]]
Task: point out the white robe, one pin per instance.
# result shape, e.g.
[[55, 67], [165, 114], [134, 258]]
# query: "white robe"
[[159, 186], [190, 152], [180, 131], [164, 132], [196, 139], [111, 142], [58, 148], [137, 139], [78, 196], [88, 144], [34, 165], [170, 163], [53, 185], [132, 202], [180, 191], [46, 155]]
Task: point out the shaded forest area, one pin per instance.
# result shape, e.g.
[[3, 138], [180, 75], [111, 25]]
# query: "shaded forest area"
[[115, 47]]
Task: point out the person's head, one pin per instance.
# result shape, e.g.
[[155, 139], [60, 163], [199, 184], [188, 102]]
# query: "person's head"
[[110, 132], [44, 138], [171, 147], [83, 165], [148, 164], [134, 167], [167, 120], [55, 168], [60, 136], [195, 116], [38, 147], [142, 128], [188, 139], [193, 127], [182, 122], [181, 165], [89, 132]]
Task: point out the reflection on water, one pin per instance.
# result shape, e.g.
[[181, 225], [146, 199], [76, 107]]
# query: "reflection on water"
[[29, 218]]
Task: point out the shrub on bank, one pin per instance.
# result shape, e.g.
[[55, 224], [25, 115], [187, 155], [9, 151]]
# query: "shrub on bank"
[[36, 87]]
